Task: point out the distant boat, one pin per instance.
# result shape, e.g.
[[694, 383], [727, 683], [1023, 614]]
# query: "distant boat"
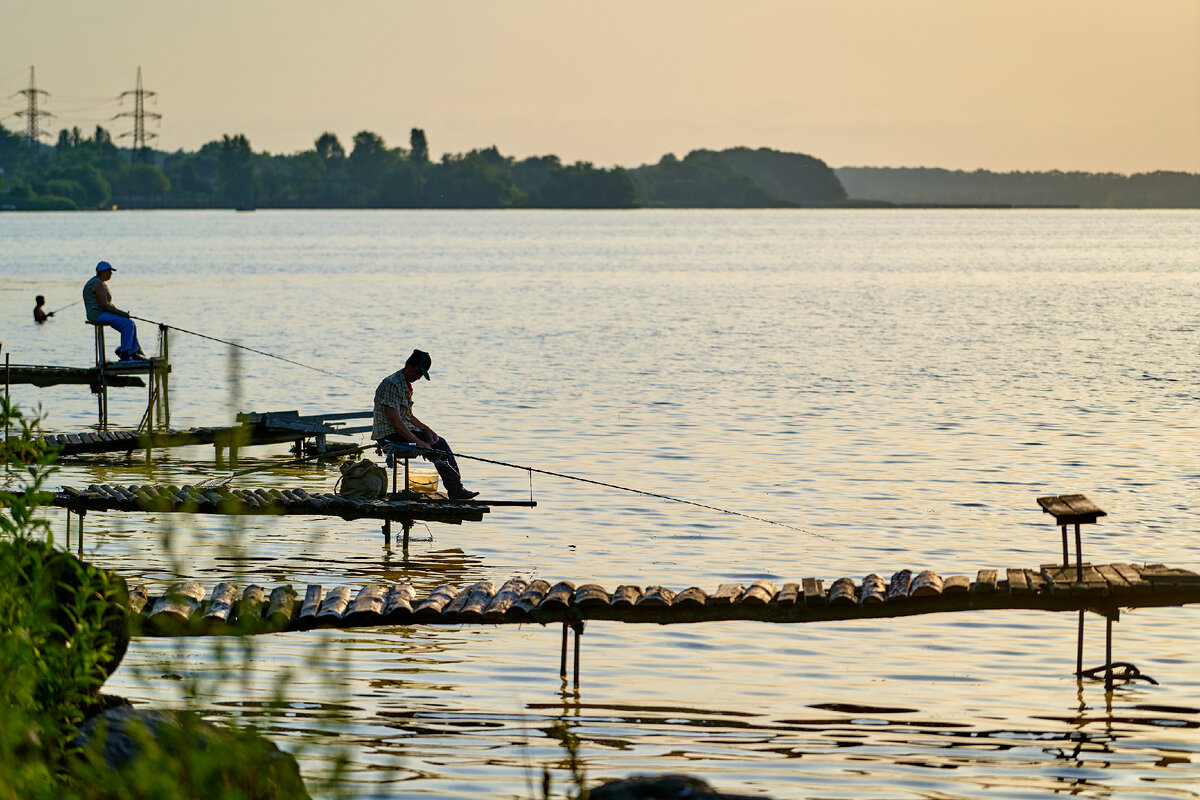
[[243, 207]]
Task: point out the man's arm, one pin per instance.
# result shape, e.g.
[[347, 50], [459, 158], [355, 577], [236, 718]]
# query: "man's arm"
[[402, 428], [105, 297]]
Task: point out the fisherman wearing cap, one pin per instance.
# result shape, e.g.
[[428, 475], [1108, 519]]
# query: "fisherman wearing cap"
[[97, 301], [394, 422]]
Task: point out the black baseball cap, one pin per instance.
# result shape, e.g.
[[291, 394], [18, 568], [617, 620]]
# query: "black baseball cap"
[[421, 360]]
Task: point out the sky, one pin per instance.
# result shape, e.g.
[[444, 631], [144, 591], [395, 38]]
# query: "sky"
[[1090, 85]]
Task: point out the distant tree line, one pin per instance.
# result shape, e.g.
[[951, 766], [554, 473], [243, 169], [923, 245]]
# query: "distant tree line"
[[928, 186], [83, 172], [89, 172]]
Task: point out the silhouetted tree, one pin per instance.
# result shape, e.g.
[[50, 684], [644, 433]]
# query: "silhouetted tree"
[[418, 148]]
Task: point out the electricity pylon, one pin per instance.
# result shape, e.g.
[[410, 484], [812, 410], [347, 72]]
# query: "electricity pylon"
[[140, 152], [32, 114]]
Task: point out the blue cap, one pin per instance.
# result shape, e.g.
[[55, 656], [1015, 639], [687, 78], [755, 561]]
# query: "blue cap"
[[103, 265]]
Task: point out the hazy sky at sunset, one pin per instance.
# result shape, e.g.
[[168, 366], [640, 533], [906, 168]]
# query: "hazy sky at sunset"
[[1095, 85]]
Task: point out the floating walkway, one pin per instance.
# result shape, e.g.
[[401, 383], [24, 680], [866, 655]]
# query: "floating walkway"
[[252, 429], [188, 609], [272, 502], [43, 376]]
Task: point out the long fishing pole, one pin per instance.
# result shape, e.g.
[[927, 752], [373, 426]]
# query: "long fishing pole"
[[244, 347], [64, 308], [635, 491]]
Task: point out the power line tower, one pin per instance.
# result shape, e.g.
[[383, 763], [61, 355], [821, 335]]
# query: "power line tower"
[[141, 153], [32, 114]]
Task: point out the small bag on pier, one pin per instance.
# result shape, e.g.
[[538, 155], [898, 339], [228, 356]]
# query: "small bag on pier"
[[364, 480]]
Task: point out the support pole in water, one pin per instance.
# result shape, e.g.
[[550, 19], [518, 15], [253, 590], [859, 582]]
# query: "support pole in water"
[[562, 664]]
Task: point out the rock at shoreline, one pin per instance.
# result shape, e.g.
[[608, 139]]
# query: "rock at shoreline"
[[131, 750], [662, 787]]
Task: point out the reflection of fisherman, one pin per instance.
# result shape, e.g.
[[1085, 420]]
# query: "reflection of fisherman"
[[97, 300], [40, 314], [394, 422]]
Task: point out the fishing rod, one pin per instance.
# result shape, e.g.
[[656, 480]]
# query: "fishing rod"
[[433, 453], [216, 483], [64, 308], [244, 347]]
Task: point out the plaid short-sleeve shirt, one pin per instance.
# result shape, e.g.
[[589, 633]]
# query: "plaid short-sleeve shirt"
[[394, 392]]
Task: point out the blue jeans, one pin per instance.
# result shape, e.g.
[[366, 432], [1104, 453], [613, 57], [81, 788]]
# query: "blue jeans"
[[128, 331]]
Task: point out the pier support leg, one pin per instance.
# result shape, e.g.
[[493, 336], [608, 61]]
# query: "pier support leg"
[[408, 523], [68, 543], [81, 514], [1078, 555], [577, 626], [1066, 554], [387, 534], [562, 664], [1113, 670]]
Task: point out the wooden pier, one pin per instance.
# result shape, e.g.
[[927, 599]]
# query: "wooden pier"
[[405, 508], [309, 432], [45, 375], [187, 609]]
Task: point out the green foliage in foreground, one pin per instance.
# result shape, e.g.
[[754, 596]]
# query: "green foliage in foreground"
[[63, 630]]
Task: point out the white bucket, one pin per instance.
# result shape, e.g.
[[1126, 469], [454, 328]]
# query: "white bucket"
[[423, 479]]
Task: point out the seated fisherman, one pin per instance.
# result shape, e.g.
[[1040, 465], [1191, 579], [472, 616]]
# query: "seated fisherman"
[[97, 300], [394, 422]]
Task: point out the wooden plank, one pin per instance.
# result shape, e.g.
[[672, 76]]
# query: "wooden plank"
[[842, 591], [530, 599], [220, 603], [956, 584], [985, 581], [692, 597], [368, 603], [1017, 582], [398, 605], [498, 606], [558, 597], [626, 596], [1070, 509], [431, 607], [873, 590], [1037, 583], [250, 607], [725, 594], [898, 586], [1132, 574], [312, 603], [171, 611], [334, 605], [788, 596], [758, 593], [814, 591], [656, 597], [478, 599], [590, 596], [1114, 578], [927, 583], [280, 607]]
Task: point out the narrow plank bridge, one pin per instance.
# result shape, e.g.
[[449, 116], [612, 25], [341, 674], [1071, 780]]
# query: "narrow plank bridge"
[[401, 507], [256, 428], [187, 609]]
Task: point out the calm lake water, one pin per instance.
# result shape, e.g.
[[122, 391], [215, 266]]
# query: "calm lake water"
[[902, 383]]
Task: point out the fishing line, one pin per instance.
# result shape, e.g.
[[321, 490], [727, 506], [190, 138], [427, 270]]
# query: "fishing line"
[[532, 470], [244, 347]]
